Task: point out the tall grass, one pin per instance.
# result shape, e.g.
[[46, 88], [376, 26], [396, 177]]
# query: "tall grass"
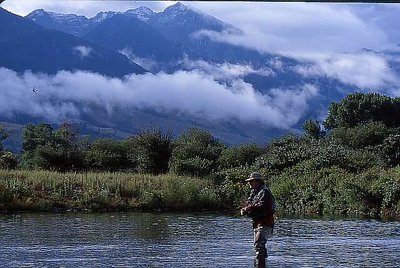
[[374, 192], [53, 191]]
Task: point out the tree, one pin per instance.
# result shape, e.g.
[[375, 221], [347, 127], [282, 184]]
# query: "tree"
[[284, 152], [7, 159], [48, 149], [33, 138], [243, 155], [150, 151], [360, 108], [106, 154], [3, 136], [312, 129], [361, 136], [68, 150], [391, 150], [195, 153]]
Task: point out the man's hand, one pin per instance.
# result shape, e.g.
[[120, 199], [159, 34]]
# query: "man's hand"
[[245, 210]]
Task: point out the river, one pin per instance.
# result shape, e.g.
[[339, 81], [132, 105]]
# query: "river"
[[191, 240]]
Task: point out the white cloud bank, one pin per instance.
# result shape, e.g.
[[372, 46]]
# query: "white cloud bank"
[[225, 70], [367, 71], [297, 29], [61, 96]]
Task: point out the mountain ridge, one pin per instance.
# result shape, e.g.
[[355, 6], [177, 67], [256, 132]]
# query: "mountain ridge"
[[25, 45]]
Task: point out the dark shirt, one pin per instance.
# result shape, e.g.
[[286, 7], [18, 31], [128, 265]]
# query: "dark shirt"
[[261, 207]]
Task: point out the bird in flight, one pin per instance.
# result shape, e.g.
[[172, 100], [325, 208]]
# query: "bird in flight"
[[34, 90]]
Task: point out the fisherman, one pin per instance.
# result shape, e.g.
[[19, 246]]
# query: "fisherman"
[[260, 206]]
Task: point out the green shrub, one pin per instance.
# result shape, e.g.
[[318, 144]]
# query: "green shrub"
[[361, 108], [243, 155], [195, 153], [107, 155], [150, 151], [192, 166], [369, 134], [391, 150], [232, 195], [8, 160], [284, 153], [44, 148]]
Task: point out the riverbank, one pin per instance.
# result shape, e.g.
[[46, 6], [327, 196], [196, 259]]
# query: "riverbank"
[[374, 193], [48, 191]]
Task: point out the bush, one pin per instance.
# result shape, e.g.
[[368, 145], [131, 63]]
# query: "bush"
[[195, 166], [366, 135], [360, 108], [8, 160], [233, 195], [195, 153], [107, 155], [284, 153], [243, 155], [44, 148], [391, 150], [328, 153], [150, 151], [374, 192]]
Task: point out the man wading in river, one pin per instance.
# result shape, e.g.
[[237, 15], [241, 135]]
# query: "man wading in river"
[[260, 206]]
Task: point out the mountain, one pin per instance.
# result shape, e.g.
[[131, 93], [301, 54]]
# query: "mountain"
[[25, 45], [68, 23], [188, 26], [179, 22], [122, 32], [81, 25], [160, 37], [141, 13]]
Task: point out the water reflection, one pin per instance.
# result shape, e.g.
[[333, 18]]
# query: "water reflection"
[[182, 240]]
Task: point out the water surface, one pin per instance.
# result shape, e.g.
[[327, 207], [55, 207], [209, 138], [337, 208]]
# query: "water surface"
[[187, 240]]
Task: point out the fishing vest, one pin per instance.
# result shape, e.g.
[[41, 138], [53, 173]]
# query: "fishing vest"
[[263, 206]]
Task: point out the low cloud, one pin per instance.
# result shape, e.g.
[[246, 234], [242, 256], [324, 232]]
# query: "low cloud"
[[83, 51], [196, 94], [225, 70], [298, 29], [148, 64], [367, 71]]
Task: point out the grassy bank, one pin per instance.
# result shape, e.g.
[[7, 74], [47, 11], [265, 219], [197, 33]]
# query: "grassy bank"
[[299, 190], [52, 191]]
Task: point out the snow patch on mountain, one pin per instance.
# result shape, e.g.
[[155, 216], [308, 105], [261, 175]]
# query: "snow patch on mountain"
[[141, 13], [56, 17], [101, 16]]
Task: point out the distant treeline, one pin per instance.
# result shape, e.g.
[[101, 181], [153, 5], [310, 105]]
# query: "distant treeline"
[[347, 164]]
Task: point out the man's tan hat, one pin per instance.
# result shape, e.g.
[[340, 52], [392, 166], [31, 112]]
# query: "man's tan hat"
[[254, 176]]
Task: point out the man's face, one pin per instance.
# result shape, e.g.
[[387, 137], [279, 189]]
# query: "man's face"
[[253, 184]]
